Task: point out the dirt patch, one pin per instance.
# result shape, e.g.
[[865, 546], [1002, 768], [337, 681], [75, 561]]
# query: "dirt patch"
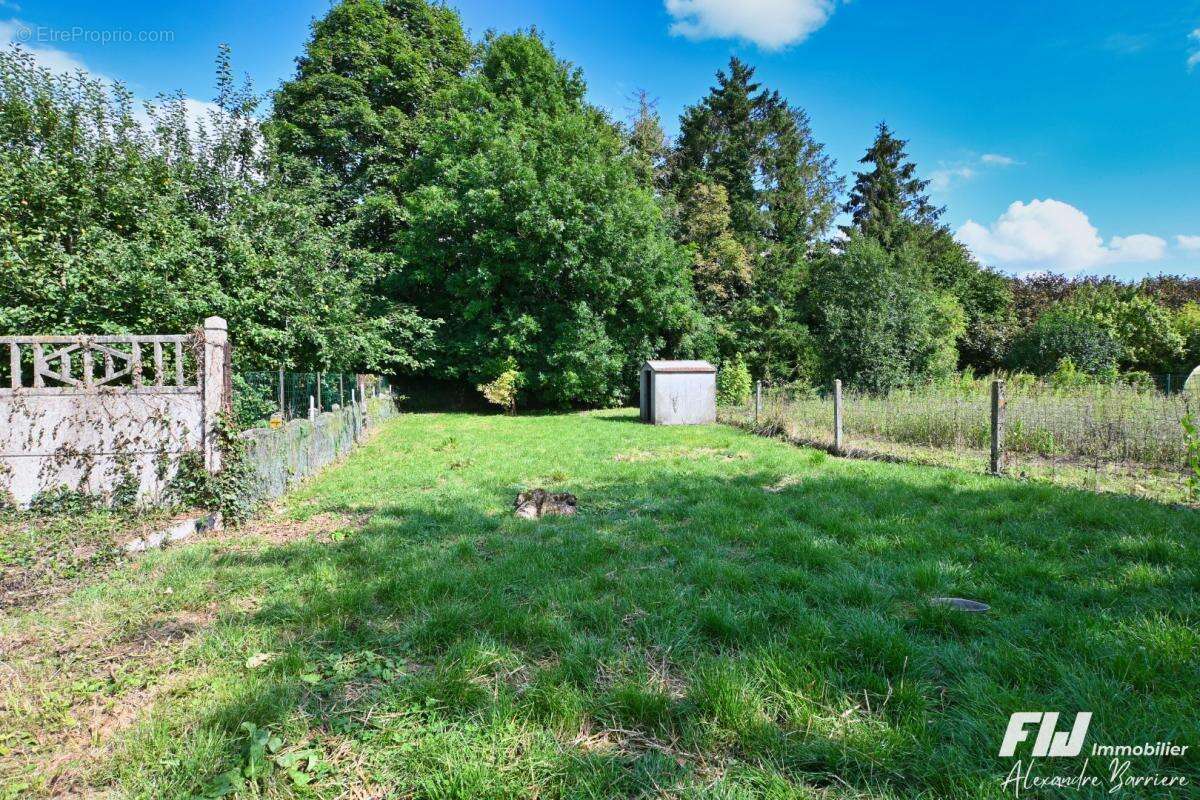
[[66, 746], [684, 453], [77, 750], [171, 628], [783, 483], [593, 738], [277, 529], [44, 557]]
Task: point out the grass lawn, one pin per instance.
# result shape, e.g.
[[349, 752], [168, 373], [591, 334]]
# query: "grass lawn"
[[728, 616]]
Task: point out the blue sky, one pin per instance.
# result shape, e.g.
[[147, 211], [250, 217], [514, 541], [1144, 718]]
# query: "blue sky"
[[1060, 135]]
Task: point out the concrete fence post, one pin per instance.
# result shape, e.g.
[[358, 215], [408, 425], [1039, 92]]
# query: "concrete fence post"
[[312, 408], [837, 417], [757, 400], [215, 385], [998, 408]]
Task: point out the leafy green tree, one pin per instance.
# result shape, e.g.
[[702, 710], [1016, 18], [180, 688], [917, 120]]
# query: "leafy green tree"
[[733, 383], [368, 73], [112, 227], [649, 147], [1187, 325], [720, 264], [527, 229], [1144, 329], [880, 324]]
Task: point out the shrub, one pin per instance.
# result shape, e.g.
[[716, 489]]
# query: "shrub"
[[733, 383], [1059, 334], [1140, 380], [503, 391], [880, 325]]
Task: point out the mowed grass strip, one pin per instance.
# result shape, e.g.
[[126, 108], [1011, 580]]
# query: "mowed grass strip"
[[728, 616]]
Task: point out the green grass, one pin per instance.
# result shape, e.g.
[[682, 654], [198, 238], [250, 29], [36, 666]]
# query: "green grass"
[[728, 616]]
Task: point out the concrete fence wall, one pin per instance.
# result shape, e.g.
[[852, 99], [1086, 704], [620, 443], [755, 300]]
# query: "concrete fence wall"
[[102, 414], [281, 456]]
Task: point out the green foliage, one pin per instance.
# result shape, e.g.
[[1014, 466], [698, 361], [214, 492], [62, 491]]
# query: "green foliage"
[[1061, 333], [1144, 329], [503, 391], [1187, 325], [757, 196], [112, 228], [252, 405], [733, 383], [888, 201], [527, 226], [880, 325], [230, 490], [1191, 435], [370, 69], [263, 754], [64, 501]]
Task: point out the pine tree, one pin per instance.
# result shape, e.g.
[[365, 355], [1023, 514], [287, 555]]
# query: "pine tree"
[[781, 191], [888, 202], [648, 144], [720, 140]]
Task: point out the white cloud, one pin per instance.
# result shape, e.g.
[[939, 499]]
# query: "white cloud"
[[771, 24], [14, 31], [1054, 234], [941, 179], [946, 176], [1188, 242], [1194, 57]]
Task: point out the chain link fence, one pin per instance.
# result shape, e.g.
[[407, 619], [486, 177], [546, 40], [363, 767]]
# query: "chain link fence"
[[1099, 437], [260, 396]]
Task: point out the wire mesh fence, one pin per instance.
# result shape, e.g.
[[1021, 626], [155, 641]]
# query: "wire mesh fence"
[[260, 396], [1098, 437]]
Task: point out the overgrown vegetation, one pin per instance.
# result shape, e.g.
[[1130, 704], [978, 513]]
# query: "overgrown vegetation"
[[229, 490], [1068, 429], [51, 549], [727, 616], [118, 220]]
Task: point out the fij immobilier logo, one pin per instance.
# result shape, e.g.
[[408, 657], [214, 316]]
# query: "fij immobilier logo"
[[1049, 742]]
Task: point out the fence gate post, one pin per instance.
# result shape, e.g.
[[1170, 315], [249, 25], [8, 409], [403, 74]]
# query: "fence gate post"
[[837, 417], [998, 403], [214, 378]]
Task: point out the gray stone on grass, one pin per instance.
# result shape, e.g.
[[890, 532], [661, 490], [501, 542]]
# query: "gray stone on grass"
[[540, 503], [962, 604]]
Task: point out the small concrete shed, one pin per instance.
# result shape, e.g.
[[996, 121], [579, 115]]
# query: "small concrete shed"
[[679, 393]]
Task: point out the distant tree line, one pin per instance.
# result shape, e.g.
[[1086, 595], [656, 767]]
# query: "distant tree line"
[[423, 204]]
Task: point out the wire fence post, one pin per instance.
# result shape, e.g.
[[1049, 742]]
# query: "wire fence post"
[[837, 417], [757, 400], [998, 404], [341, 389], [320, 407], [312, 408], [282, 408]]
